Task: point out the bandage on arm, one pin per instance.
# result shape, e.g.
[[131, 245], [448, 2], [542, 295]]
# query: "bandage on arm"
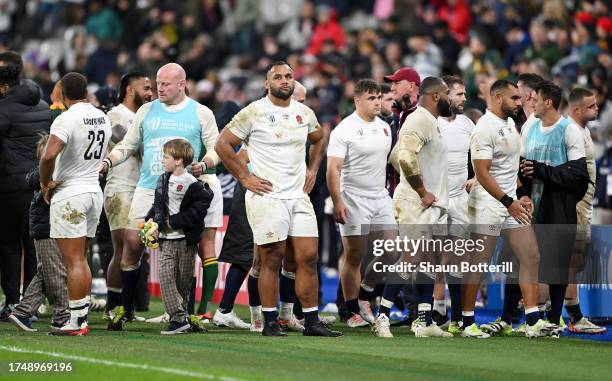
[[409, 146]]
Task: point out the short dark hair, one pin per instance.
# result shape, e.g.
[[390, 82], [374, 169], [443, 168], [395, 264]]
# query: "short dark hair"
[[549, 90], [385, 88], [12, 58], [430, 84], [9, 75], [367, 86], [531, 80], [179, 149], [74, 86], [126, 80], [278, 63], [578, 94], [452, 80], [501, 84]]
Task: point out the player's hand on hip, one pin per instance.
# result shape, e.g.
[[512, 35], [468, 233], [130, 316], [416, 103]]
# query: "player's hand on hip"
[[527, 168], [527, 203], [469, 184], [49, 190], [521, 211], [311, 178], [427, 200], [340, 212], [257, 185]]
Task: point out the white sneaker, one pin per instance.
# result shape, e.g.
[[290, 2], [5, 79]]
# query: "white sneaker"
[[165, 318], [431, 330], [327, 320], [356, 321], [381, 327], [291, 324], [229, 320], [584, 325], [330, 308], [365, 310], [416, 324], [539, 329], [256, 325]]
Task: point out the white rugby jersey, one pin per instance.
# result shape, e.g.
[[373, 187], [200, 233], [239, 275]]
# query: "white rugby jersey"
[[496, 139], [364, 146], [457, 133], [422, 128], [85, 130], [123, 177], [276, 141]]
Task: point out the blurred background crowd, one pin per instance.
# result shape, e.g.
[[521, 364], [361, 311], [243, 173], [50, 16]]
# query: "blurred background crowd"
[[226, 45]]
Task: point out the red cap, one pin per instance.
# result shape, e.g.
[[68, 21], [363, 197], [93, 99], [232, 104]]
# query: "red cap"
[[407, 73], [605, 23], [584, 17]]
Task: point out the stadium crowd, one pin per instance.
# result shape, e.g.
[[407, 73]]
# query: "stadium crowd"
[[229, 48]]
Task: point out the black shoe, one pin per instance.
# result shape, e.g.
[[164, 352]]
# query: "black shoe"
[[115, 326], [319, 329], [438, 318], [6, 312], [22, 322], [175, 328], [272, 329]]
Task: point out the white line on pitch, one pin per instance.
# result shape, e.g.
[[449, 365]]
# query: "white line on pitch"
[[174, 371]]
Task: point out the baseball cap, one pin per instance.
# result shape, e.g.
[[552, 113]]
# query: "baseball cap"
[[407, 73]]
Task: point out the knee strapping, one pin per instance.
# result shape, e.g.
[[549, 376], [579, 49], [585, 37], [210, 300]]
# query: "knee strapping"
[[130, 267], [288, 274]]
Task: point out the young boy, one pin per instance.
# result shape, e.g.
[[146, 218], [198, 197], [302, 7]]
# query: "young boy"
[[50, 278], [179, 208]]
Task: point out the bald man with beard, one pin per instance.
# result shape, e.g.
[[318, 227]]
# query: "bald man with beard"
[[173, 115]]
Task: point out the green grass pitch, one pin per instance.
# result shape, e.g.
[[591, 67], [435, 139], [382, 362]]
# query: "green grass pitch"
[[141, 353]]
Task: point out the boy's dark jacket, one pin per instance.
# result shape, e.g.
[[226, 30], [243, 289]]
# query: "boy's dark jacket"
[[39, 210], [564, 186], [190, 217]]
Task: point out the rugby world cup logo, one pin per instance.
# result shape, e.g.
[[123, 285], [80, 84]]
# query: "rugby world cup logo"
[[154, 123]]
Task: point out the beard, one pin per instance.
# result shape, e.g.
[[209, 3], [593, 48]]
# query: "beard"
[[458, 109], [284, 95], [139, 101], [509, 112], [444, 108]]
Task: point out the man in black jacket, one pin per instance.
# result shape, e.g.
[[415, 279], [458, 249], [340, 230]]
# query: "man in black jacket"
[[23, 117], [556, 175]]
